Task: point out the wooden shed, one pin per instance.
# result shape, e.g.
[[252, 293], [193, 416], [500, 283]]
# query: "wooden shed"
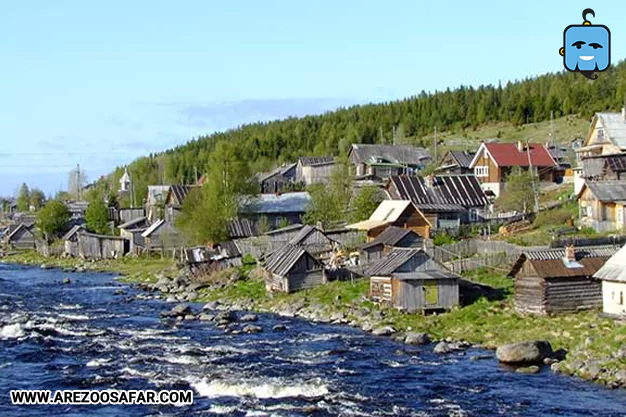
[[292, 268], [559, 280], [315, 242], [22, 237], [132, 231], [70, 240], [93, 246], [400, 213], [162, 236], [391, 237], [410, 280]]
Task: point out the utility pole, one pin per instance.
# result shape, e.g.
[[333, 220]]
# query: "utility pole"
[[552, 139], [532, 178], [78, 190], [435, 144]]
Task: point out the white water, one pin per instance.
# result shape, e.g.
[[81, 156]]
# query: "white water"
[[12, 331], [265, 389]]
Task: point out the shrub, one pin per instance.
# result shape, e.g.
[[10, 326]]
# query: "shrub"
[[443, 238]]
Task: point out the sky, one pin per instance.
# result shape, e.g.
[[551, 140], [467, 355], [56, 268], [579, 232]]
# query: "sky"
[[101, 83]]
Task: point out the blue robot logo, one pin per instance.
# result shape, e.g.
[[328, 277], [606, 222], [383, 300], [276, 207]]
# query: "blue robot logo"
[[586, 48]]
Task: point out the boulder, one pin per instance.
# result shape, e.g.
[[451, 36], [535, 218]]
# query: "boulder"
[[531, 352], [180, 310], [67, 281], [417, 338], [190, 317], [279, 328], [249, 317], [383, 331], [442, 348], [170, 299], [533, 369], [480, 357], [620, 377], [251, 328]]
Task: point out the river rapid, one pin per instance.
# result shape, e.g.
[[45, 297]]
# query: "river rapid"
[[86, 335]]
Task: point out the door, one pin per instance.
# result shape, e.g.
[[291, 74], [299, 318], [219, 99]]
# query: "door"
[[431, 294]]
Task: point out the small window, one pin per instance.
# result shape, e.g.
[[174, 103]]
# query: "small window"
[[600, 134], [473, 215], [481, 171]]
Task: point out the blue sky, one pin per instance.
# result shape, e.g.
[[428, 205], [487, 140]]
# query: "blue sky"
[[100, 84]]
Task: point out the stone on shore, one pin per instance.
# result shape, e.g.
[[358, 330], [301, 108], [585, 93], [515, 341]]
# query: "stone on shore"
[[524, 353], [180, 310], [415, 338], [212, 305], [442, 348], [226, 316], [383, 331], [206, 317]]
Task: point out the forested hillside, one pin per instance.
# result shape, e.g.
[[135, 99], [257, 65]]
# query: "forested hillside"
[[414, 118]]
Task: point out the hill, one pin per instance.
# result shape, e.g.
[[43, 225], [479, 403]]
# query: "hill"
[[517, 110]]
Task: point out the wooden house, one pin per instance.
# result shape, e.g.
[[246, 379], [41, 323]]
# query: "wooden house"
[[549, 281], [174, 200], [602, 205], [155, 202], [70, 241], [382, 161], [346, 238], [132, 231], [94, 246], [314, 169], [22, 236], [276, 209], [400, 213], [383, 244], [279, 180], [613, 277], [292, 268], [456, 162], [410, 280], [162, 237], [604, 168], [607, 135], [493, 162], [315, 242], [447, 201]]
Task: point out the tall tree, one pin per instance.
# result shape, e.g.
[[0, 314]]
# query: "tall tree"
[[52, 219], [97, 217], [365, 202], [23, 198], [519, 192], [37, 198]]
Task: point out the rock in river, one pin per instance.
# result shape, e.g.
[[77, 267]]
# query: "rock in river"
[[533, 369], [279, 328], [442, 347], [532, 352], [249, 317], [180, 310], [414, 338], [251, 328]]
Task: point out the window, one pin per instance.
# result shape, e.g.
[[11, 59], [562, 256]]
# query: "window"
[[473, 215], [481, 171], [600, 134], [621, 298]]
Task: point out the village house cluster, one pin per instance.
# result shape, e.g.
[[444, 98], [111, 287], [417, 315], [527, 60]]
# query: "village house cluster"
[[393, 248]]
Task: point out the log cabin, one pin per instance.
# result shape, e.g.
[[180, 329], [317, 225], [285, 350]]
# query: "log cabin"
[[281, 179], [399, 213], [277, 209], [456, 162], [315, 242], [382, 161], [613, 277], [70, 241], [162, 237], [292, 268], [411, 281], [602, 205], [93, 246], [21, 236], [550, 281], [493, 162], [132, 231]]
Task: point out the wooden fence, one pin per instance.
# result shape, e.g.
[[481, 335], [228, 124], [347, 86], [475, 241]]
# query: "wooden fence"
[[44, 249]]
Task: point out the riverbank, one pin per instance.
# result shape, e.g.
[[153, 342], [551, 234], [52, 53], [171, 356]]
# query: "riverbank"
[[595, 346]]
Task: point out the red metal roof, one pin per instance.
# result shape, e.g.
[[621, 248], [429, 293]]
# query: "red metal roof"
[[508, 155]]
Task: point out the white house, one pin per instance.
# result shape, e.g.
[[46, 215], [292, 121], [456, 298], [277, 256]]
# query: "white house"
[[613, 276]]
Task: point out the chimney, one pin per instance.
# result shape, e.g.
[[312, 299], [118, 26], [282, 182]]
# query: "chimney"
[[570, 253], [520, 146]]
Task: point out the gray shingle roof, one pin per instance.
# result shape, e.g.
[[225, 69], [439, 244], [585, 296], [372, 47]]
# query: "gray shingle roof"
[[132, 223], [615, 127], [615, 268], [70, 234], [448, 192], [281, 261], [285, 229], [426, 275], [396, 258], [315, 160], [275, 204], [608, 190], [463, 158], [180, 192], [241, 228], [389, 237], [398, 154], [581, 252]]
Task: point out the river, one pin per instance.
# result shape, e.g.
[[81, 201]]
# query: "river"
[[85, 335]]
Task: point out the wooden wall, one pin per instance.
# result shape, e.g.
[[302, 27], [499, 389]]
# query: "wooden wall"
[[23, 239], [564, 295], [99, 247], [411, 295], [494, 171]]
